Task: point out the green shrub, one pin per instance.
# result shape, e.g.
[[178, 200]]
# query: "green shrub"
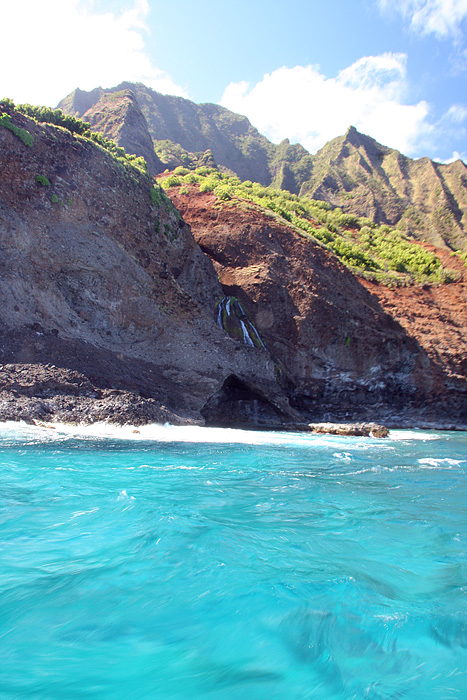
[[54, 116], [42, 180], [7, 103], [461, 255], [22, 134], [171, 181], [54, 198], [136, 161], [190, 179], [208, 186], [156, 195], [223, 192]]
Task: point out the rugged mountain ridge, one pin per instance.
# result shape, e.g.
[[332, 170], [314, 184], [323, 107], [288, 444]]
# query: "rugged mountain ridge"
[[234, 143], [425, 199]]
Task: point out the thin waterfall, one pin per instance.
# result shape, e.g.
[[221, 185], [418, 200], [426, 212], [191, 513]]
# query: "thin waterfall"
[[257, 335], [236, 318], [246, 336]]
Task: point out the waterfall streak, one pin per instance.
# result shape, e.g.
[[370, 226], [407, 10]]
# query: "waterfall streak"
[[246, 336], [235, 311]]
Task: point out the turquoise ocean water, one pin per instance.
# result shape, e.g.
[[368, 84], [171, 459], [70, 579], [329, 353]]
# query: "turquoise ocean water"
[[186, 563]]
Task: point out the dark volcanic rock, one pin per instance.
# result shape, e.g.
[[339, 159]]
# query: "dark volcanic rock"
[[99, 277]]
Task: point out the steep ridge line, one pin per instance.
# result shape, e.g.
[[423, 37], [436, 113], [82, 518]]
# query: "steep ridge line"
[[427, 200]]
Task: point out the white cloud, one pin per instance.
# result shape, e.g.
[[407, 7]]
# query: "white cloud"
[[304, 105], [50, 47], [455, 156], [443, 18], [457, 114]]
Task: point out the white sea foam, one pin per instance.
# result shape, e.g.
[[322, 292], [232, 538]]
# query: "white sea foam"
[[442, 463], [414, 435], [47, 432], [343, 456], [123, 495]]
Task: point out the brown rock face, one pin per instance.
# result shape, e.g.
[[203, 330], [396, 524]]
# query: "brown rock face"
[[345, 353], [118, 117], [99, 278], [436, 315]]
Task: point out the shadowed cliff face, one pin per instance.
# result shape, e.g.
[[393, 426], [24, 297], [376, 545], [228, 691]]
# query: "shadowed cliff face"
[[119, 117], [100, 278], [343, 351]]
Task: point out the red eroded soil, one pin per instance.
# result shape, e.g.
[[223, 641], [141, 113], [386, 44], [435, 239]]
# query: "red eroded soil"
[[436, 315], [257, 254]]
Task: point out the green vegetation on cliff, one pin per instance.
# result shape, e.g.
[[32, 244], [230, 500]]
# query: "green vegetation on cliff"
[[5, 120], [172, 155], [377, 252], [425, 200], [76, 126]]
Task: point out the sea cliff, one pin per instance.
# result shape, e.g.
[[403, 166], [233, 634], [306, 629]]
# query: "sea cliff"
[[110, 306]]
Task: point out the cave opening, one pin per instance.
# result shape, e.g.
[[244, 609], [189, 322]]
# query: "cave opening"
[[239, 405]]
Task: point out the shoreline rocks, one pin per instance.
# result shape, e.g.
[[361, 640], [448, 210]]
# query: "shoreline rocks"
[[350, 429]]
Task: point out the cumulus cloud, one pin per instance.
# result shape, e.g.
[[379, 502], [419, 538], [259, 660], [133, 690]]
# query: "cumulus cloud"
[[305, 106], [50, 47], [455, 156], [443, 18]]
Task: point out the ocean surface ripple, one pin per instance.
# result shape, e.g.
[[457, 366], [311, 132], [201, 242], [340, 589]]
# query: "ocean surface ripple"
[[186, 563]]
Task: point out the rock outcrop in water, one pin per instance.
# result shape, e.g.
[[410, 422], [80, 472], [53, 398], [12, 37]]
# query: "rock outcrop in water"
[[112, 309]]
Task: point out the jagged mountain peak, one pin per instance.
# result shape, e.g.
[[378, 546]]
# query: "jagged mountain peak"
[[427, 200], [118, 116]]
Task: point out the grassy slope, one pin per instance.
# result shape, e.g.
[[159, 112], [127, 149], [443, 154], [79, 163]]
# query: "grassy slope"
[[376, 252], [382, 253]]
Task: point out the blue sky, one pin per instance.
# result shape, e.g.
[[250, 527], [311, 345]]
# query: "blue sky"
[[302, 69]]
